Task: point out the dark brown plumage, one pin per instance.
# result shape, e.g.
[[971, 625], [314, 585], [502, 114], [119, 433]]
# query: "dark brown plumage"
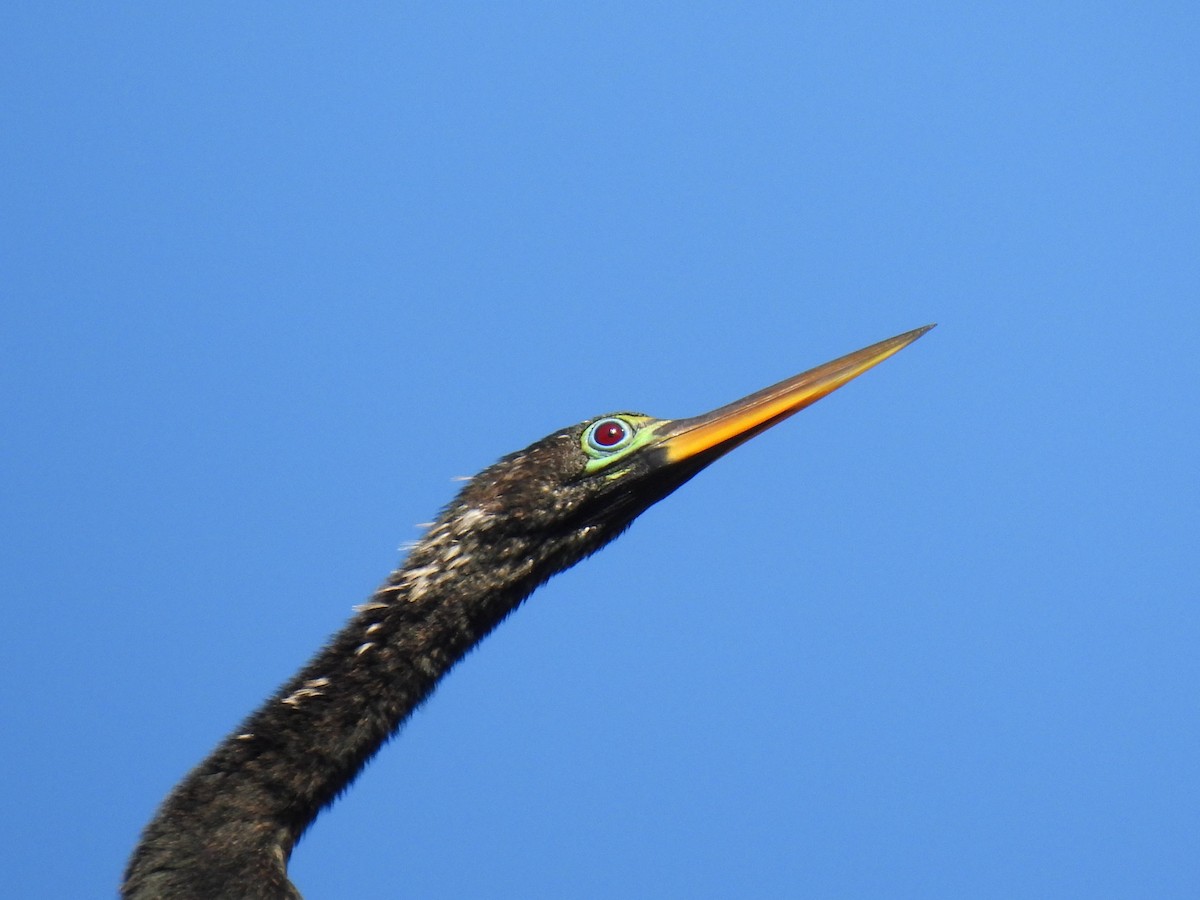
[[228, 829]]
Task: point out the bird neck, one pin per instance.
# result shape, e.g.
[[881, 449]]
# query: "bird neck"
[[235, 818]]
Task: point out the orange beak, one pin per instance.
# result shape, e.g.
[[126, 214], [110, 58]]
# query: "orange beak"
[[721, 430]]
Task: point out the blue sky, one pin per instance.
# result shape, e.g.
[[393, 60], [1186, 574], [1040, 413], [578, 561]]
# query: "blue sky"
[[273, 275]]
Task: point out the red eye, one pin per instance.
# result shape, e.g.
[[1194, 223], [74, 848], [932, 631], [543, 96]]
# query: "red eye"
[[608, 435]]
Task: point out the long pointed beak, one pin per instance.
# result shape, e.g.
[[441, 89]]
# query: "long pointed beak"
[[723, 429]]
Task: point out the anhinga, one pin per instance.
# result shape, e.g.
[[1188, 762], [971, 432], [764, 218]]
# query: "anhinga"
[[228, 829]]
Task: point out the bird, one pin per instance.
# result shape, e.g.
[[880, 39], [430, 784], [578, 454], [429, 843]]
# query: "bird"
[[228, 828]]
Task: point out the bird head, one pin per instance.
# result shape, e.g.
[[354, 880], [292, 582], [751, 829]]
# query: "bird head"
[[572, 492]]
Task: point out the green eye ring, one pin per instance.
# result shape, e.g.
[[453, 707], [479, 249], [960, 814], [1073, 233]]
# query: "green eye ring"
[[611, 439], [608, 435]]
